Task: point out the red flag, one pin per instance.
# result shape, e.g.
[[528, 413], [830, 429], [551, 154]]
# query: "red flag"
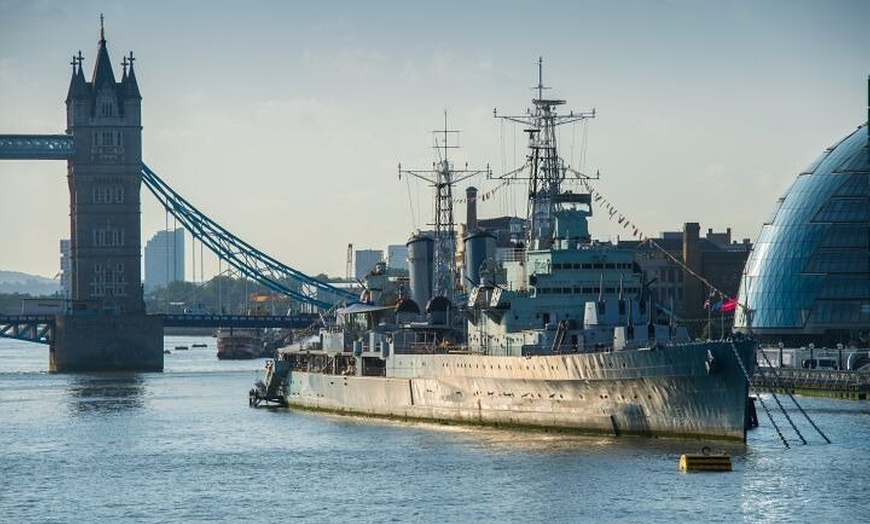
[[729, 305]]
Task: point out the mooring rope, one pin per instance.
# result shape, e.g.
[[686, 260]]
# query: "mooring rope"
[[784, 412], [794, 400], [760, 400]]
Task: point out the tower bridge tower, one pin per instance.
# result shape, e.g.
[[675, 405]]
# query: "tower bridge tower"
[[107, 327], [105, 119]]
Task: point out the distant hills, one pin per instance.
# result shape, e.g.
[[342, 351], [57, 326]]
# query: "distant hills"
[[35, 285]]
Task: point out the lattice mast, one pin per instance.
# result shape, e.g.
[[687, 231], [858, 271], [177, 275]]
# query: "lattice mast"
[[442, 177], [546, 170]]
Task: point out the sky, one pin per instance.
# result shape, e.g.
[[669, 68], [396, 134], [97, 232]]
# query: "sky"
[[286, 122]]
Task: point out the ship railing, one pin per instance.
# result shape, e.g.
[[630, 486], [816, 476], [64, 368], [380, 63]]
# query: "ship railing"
[[514, 255], [811, 379], [426, 348], [564, 349]]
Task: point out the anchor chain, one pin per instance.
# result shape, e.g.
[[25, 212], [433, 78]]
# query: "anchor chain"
[[760, 400]]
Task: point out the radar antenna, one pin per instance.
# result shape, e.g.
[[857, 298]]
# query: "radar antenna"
[[442, 177], [547, 170]]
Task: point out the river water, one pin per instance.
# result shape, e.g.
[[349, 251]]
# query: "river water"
[[183, 446]]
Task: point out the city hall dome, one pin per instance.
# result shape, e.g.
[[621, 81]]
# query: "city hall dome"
[[808, 276]]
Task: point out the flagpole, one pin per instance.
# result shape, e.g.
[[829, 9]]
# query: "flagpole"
[[709, 318], [708, 305]]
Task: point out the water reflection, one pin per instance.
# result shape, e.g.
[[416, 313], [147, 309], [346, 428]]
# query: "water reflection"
[[106, 392]]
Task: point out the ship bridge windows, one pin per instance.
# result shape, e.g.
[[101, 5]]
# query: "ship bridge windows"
[[555, 266], [610, 290]]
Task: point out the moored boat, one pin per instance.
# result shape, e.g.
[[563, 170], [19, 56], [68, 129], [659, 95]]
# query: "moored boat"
[[240, 343], [562, 334]]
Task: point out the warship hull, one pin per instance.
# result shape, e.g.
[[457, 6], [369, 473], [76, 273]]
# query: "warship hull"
[[560, 330], [696, 390]]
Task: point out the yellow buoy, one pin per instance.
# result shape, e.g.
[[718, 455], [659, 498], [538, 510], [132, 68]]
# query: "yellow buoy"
[[705, 462]]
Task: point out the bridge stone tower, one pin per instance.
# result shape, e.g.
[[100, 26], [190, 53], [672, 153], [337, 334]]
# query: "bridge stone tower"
[[107, 328]]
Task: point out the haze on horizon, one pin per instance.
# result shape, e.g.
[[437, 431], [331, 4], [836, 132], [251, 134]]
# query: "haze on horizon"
[[285, 121]]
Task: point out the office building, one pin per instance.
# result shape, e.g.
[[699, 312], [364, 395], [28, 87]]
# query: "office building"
[[164, 259], [365, 260], [808, 278]]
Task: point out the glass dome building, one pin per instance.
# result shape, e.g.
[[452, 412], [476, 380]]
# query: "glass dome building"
[[807, 279]]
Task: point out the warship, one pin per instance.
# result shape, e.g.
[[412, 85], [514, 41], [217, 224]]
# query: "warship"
[[557, 333]]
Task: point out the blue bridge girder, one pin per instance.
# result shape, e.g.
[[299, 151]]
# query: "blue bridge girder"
[[297, 321], [40, 328], [31, 328], [245, 258], [36, 147]]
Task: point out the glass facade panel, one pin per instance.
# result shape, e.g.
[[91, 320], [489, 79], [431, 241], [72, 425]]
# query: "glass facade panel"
[[856, 185], [815, 163], [839, 312], [838, 262], [847, 236], [844, 210], [844, 286], [841, 152], [809, 271], [859, 162]]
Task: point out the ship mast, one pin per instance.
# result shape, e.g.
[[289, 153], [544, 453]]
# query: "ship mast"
[[442, 177], [547, 170]]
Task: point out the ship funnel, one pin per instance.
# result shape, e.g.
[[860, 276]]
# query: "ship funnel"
[[471, 209], [420, 267]]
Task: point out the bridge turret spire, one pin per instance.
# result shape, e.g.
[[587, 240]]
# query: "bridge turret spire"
[[131, 87], [103, 74], [78, 86]]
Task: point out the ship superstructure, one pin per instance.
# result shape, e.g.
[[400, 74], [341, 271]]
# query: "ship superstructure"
[[560, 335]]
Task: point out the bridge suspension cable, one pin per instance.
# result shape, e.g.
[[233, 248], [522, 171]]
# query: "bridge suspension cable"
[[248, 260]]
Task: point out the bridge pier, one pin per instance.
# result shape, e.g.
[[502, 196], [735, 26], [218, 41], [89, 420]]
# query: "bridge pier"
[[86, 343]]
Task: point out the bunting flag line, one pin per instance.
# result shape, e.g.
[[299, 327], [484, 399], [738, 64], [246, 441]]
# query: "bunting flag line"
[[726, 306], [484, 196]]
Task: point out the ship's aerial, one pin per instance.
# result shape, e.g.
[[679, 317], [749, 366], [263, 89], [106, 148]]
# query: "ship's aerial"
[[558, 332]]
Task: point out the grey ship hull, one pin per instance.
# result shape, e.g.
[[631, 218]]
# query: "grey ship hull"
[[692, 390]]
